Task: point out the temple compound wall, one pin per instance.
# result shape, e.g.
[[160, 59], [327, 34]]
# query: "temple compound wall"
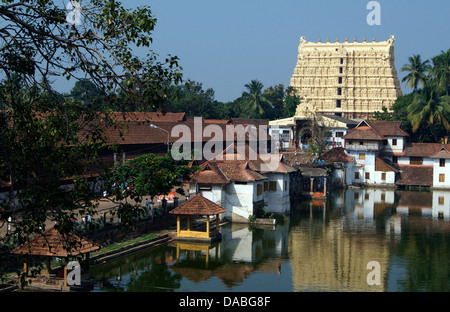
[[348, 79]]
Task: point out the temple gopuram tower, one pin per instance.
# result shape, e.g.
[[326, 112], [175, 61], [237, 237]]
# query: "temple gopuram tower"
[[348, 79]]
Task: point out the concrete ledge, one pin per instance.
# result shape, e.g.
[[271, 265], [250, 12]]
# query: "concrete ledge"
[[259, 221], [107, 256]]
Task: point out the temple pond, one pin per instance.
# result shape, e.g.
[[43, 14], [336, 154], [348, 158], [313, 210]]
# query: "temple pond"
[[324, 246]]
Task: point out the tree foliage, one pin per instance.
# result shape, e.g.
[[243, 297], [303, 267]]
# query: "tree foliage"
[[425, 112], [416, 71], [191, 98], [430, 108], [143, 176], [49, 143]]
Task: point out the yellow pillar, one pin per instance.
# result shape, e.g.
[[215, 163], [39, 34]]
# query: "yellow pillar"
[[25, 270], [178, 225], [207, 226], [65, 273]]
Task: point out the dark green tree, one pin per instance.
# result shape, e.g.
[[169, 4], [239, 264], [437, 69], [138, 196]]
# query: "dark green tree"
[[191, 98], [275, 96], [255, 105], [47, 141], [291, 101], [441, 70], [147, 175], [416, 71], [430, 107], [88, 94]]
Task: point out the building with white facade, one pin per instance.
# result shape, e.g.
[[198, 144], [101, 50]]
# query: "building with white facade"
[[243, 186], [383, 157]]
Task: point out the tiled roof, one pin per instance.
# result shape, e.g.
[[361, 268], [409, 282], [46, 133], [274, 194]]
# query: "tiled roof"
[[248, 121], [140, 132], [230, 168], [198, 205], [239, 170], [387, 128], [52, 243], [263, 163], [416, 175], [363, 133], [424, 149], [443, 153], [217, 121], [209, 173], [271, 163], [336, 154], [375, 130]]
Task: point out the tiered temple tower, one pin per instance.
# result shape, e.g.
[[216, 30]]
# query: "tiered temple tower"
[[348, 79]]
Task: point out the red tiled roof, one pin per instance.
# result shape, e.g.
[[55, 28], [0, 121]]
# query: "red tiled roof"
[[375, 130], [416, 175], [138, 132], [209, 173], [52, 243], [388, 128], [443, 153], [216, 121], [424, 149], [198, 205], [363, 133], [248, 121], [336, 154], [239, 170]]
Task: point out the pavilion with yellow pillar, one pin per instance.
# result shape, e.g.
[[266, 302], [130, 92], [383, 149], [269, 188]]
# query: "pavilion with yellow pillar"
[[197, 206]]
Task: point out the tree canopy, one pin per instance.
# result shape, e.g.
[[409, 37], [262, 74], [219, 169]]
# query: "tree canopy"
[[49, 144], [425, 112], [144, 176]]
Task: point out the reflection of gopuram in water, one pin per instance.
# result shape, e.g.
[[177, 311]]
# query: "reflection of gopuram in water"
[[325, 246], [337, 255]]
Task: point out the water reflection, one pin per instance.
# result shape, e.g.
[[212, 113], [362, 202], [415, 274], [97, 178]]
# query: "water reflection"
[[325, 246]]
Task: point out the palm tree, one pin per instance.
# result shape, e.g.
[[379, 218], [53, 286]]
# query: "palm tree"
[[256, 103], [430, 107], [441, 70], [416, 71]]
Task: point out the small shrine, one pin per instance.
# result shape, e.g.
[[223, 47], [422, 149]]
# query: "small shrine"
[[198, 206], [53, 244]]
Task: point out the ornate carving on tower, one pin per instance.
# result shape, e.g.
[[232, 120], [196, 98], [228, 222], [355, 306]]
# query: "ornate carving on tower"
[[350, 79]]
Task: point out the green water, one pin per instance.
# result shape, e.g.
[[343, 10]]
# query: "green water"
[[324, 246]]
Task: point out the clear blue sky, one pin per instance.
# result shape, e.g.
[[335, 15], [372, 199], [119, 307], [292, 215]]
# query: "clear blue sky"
[[225, 44]]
